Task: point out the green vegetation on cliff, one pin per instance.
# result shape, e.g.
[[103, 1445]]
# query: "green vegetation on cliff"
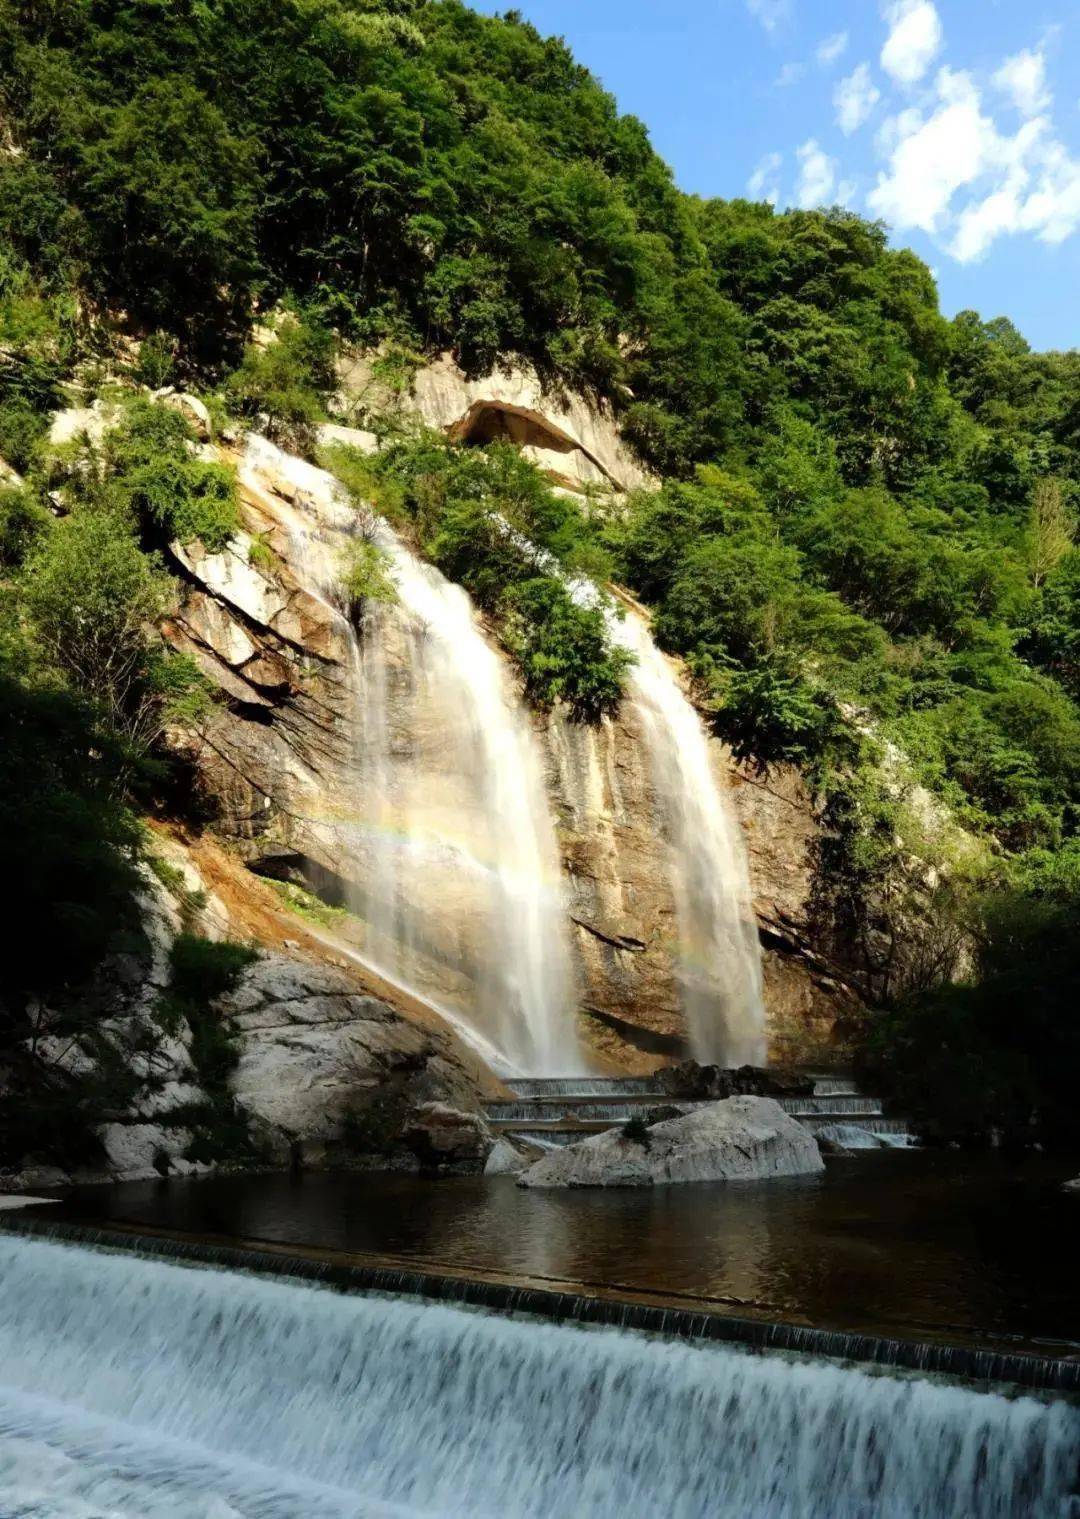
[[864, 542]]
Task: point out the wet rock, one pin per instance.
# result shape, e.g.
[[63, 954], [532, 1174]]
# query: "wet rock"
[[705, 1083], [740, 1139], [843, 1138], [446, 1139], [509, 1157]]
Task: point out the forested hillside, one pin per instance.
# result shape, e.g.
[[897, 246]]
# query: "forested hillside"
[[864, 544]]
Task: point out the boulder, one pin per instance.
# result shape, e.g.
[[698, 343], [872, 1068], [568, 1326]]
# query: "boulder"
[[190, 408], [1072, 1186], [741, 1139], [446, 1139], [509, 1157]]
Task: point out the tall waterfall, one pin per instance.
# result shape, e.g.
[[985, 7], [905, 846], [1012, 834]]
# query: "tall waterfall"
[[446, 828], [719, 954], [138, 1389]]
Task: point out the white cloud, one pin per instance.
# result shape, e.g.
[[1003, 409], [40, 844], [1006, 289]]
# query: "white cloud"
[[854, 98], [790, 74], [914, 40], [832, 48], [771, 13], [1023, 79], [934, 157], [817, 176], [764, 183], [953, 173]]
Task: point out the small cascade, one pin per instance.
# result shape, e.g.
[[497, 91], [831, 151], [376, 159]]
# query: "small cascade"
[[565, 1110], [719, 954], [445, 831], [140, 1389]]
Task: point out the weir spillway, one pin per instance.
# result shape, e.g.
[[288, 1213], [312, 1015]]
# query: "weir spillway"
[[135, 1386]]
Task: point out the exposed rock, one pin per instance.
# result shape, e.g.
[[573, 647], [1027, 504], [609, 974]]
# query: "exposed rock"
[[742, 1139], [704, 1083], [349, 437], [573, 439], [312, 1046], [190, 408], [1072, 1186], [509, 1157], [445, 1139], [279, 763], [94, 421], [139, 1151]]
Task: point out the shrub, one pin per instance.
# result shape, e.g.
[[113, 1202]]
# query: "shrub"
[[564, 650], [281, 384], [367, 574]]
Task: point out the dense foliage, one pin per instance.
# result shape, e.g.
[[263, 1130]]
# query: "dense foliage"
[[490, 521], [864, 542]]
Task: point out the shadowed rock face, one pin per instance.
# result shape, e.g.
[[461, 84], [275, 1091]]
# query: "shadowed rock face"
[[742, 1139]]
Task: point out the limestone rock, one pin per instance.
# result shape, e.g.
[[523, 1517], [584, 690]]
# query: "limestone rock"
[[313, 1047], [741, 1139], [509, 1157], [575, 439], [445, 1139], [190, 408], [704, 1083], [349, 437], [139, 1151]]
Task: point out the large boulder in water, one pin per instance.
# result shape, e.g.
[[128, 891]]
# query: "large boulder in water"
[[741, 1139], [444, 1138]]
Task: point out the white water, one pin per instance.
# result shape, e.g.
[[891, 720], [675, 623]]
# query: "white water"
[[719, 953], [448, 828], [136, 1389]]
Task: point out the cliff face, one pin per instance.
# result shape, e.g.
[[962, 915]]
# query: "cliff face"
[[278, 766]]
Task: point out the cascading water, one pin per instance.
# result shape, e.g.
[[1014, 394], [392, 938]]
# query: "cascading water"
[[445, 827], [137, 1389], [719, 954]]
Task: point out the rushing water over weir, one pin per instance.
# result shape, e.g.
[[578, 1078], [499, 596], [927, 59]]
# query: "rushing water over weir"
[[133, 1387]]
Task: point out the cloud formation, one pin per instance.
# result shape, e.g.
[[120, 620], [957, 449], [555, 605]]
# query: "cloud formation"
[[817, 175], [832, 48], [914, 41], [1022, 78], [854, 98], [764, 183], [771, 13], [954, 174]]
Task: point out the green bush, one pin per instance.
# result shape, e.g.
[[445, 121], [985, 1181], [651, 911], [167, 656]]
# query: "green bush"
[[154, 473], [281, 384], [564, 650]]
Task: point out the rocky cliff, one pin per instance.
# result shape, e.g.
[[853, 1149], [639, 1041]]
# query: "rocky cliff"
[[277, 765]]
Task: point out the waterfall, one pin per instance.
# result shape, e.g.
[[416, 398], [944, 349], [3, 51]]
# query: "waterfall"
[[445, 827], [719, 954], [139, 1389]]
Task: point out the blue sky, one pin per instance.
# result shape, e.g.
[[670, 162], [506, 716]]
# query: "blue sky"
[[955, 121]]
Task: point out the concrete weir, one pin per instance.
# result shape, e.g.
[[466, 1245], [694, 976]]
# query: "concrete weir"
[[677, 1316]]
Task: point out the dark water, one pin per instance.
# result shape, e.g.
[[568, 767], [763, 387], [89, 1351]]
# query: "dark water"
[[908, 1244]]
